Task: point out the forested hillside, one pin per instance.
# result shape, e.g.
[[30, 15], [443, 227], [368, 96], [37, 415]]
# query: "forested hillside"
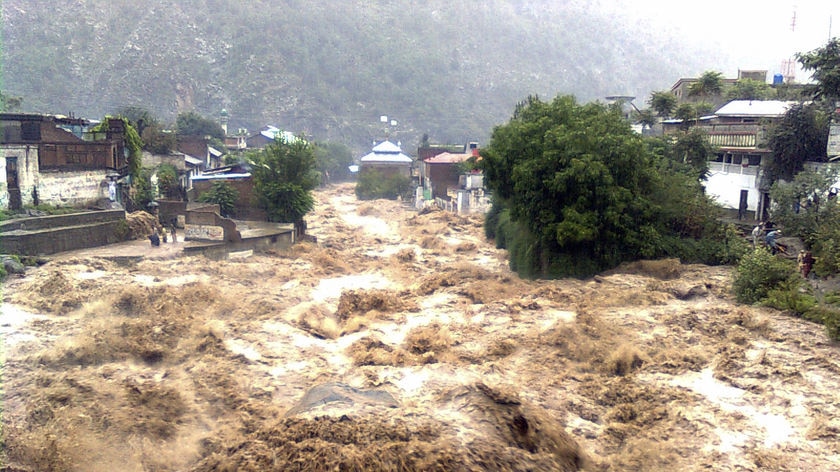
[[452, 69]]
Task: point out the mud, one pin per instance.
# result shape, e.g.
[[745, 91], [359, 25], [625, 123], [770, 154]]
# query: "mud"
[[194, 364]]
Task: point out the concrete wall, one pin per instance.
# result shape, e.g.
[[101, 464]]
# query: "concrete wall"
[[245, 206], [77, 188], [59, 233], [27, 157]]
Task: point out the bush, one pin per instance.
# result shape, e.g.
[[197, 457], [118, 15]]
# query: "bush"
[[827, 316], [373, 184], [758, 273], [222, 194], [790, 296], [3, 273]]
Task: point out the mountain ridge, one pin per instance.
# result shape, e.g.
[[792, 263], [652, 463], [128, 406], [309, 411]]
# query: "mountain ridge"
[[452, 70]]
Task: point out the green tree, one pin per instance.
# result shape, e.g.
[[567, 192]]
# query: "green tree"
[[687, 113], [167, 176], [802, 206], [709, 84], [333, 159], [284, 176], [749, 89], [825, 64], [193, 124], [158, 141], [133, 143], [139, 117], [581, 192], [664, 103], [646, 118], [693, 149], [222, 194], [801, 135], [9, 103]]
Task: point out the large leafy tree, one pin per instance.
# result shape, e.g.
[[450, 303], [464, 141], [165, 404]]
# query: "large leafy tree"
[[692, 148], [333, 159], [193, 124], [825, 64], [749, 89], [709, 84], [664, 103], [577, 181], [284, 176], [10, 103], [801, 135]]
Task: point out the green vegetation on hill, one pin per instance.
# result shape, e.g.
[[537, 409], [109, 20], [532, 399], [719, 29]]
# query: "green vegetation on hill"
[[329, 69]]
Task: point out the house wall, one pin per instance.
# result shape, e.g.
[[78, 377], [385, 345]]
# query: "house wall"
[[387, 169], [442, 177], [27, 158], [77, 188], [246, 204], [726, 181], [195, 146]]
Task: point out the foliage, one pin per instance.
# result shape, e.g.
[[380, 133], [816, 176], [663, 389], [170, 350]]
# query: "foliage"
[[168, 184], [373, 184], [284, 175], [825, 64], [584, 193], [693, 149], [749, 89], [193, 124], [646, 118], [709, 84], [758, 273], [222, 194], [132, 142], [10, 103], [335, 159], [139, 117], [3, 273], [144, 192], [687, 113], [802, 206], [313, 79], [157, 140], [828, 316], [801, 135], [664, 103], [790, 295]]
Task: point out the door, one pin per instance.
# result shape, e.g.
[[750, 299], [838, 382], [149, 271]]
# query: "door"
[[742, 205], [13, 184]]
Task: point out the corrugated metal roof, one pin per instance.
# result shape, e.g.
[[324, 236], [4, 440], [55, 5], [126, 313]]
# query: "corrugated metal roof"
[[221, 176], [387, 147], [386, 151], [192, 160], [447, 158], [757, 108]]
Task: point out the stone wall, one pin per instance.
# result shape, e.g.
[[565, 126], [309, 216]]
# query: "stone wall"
[[77, 188], [51, 234], [27, 159]]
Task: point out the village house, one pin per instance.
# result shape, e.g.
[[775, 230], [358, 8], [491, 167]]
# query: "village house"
[[55, 160], [388, 159], [268, 135], [738, 130]]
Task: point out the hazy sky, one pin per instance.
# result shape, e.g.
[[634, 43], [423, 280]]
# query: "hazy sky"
[[752, 34]]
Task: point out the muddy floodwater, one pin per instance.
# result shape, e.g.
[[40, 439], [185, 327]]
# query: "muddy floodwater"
[[401, 341]]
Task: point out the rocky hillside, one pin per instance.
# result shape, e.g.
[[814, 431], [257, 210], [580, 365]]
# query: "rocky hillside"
[[330, 69]]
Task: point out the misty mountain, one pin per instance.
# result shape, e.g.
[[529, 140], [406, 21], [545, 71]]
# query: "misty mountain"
[[452, 69]]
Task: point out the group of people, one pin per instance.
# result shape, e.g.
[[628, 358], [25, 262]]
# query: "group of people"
[[161, 234], [805, 259], [769, 238]]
